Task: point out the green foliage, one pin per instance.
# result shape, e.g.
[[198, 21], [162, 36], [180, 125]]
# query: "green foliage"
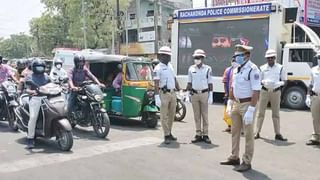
[[17, 46]]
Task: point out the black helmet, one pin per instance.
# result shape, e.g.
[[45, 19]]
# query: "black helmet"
[[79, 61], [38, 66], [1, 60], [21, 64], [28, 63], [155, 62]]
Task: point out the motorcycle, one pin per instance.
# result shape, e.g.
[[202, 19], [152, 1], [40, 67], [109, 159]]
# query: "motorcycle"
[[52, 120], [181, 109], [88, 110], [8, 99]]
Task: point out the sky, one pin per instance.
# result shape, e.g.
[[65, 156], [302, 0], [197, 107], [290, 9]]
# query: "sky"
[[16, 14]]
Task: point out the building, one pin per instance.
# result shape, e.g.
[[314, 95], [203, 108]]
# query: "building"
[[140, 31]]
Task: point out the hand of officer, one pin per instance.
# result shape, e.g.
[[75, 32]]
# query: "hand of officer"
[[187, 97], [308, 101], [280, 83], [229, 107], [248, 116], [210, 98], [157, 99]]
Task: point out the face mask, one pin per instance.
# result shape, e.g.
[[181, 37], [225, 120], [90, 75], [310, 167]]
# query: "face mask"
[[234, 64], [197, 61], [240, 60], [58, 66], [39, 69]]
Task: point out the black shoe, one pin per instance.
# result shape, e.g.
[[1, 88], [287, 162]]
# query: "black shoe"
[[30, 143], [228, 129], [206, 139], [197, 139], [257, 136], [233, 162], [243, 167], [310, 143], [167, 140], [172, 138], [280, 137]]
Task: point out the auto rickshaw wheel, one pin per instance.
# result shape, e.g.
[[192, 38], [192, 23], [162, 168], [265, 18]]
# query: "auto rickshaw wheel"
[[151, 119], [181, 111]]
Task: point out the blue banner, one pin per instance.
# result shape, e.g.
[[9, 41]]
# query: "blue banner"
[[251, 9]]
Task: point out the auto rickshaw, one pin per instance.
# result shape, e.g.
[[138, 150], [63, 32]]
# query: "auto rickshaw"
[[135, 98]]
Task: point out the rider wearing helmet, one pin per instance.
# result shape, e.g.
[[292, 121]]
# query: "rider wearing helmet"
[[35, 80], [21, 65], [155, 62], [57, 73], [77, 76]]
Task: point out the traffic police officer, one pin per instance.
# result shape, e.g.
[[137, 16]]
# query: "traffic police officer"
[[273, 77], [244, 95], [165, 86], [200, 86], [313, 101]]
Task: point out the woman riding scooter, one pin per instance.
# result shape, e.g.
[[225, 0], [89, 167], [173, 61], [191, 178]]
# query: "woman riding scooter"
[[37, 79]]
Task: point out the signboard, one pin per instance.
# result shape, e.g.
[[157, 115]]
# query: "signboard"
[[250, 1], [138, 48], [147, 36], [226, 11], [312, 12]]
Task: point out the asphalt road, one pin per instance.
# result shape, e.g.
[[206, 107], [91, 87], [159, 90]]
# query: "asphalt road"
[[134, 152]]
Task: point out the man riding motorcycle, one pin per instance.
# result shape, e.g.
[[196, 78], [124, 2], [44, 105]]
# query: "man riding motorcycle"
[[58, 73], [77, 76], [5, 72], [34, 81]]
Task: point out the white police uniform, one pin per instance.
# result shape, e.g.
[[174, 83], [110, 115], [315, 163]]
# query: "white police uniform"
[[271, 93], [200, 78], [246, 79], [166, 76]]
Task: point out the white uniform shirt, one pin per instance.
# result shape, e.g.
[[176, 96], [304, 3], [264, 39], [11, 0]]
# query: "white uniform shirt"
[[165, 74], [244, 84], [275, 73], [315, 79], [200, 77]]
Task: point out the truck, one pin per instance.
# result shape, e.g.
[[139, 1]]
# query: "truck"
[[263, 26]]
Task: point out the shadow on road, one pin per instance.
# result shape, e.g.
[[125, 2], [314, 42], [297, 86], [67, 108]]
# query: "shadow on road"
[[86, 133], [4, 128], [129, 125], [43, 146], [172, 145], [254, 175], [205, 146], [277, 143]]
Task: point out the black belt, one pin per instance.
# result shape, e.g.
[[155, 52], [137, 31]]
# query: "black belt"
[[165, 90], [200, 91], [275, 90], [243, 100]]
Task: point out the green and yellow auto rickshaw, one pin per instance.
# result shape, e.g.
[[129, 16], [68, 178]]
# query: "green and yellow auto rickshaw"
[[135, 97]]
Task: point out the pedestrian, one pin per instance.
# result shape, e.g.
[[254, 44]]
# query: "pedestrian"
[[313, 101], [244, 95], [200, 87], [227, 81], [165, 96], [273, 77]]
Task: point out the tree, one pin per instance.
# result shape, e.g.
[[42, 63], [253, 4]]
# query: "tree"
[[17, 46]]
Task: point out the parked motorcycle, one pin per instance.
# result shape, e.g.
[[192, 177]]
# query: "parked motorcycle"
[[8, 101], [88, 110], [52, 120]]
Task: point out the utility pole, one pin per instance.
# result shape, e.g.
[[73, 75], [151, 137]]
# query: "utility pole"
[[127, 33], [84, 27], [118, 27], [113, 29], [156, 16]]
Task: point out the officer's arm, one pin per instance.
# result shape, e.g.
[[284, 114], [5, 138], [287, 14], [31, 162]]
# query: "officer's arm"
[[231, 93], [311, 85], [156, 85], [255, 98], [210, 80], [177, 84], [189, 85]]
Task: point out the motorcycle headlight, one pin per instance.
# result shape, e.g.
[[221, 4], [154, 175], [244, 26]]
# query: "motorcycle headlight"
[[98, 98]]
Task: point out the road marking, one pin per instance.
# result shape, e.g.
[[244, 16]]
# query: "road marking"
[[43, 160]]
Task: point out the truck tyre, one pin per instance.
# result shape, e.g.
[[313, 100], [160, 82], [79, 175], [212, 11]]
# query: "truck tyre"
[[294, 97]]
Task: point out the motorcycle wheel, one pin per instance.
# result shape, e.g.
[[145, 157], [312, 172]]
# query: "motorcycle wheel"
[[181, 111], [151, 119], [64, 139], [101, 125], [12, 120]]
